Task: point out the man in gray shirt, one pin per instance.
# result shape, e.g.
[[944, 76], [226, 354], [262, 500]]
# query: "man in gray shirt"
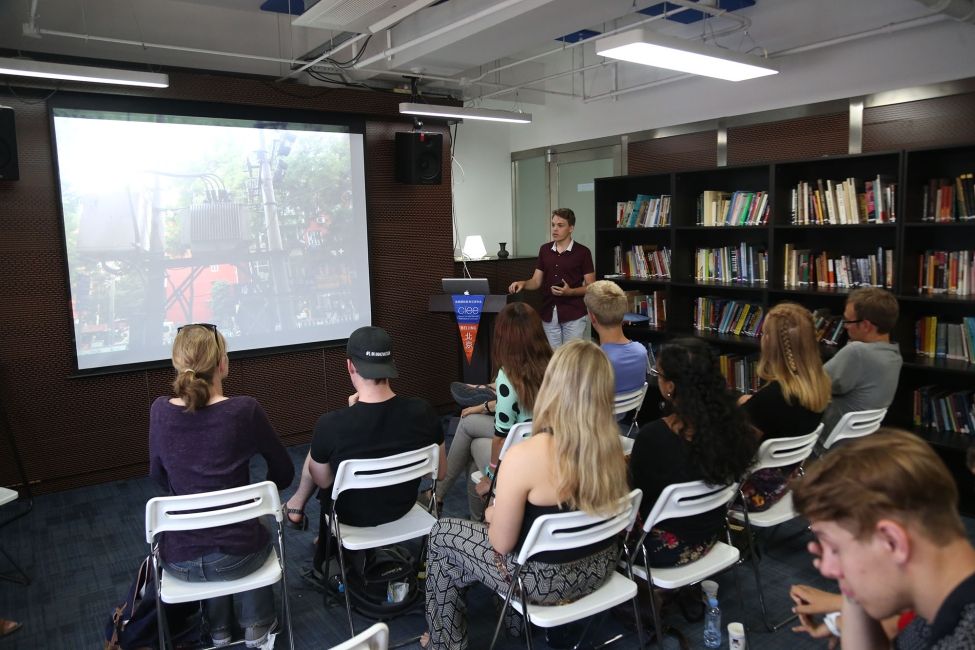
[[865, 371]]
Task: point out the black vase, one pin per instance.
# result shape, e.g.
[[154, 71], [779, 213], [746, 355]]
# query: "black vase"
[[503, 253]]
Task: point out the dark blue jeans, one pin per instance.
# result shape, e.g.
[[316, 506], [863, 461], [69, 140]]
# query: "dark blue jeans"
[[256, 606]]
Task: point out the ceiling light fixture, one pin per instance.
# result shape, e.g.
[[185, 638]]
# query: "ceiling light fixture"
[[648, 48], [464, 113], [92, 74]]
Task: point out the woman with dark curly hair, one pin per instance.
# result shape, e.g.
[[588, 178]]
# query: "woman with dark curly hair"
[[705, 437]]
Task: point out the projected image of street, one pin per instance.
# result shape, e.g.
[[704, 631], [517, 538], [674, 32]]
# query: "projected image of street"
[[258, 228]]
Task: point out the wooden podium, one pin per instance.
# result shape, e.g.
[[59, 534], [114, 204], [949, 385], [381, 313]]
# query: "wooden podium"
[[478, 371]]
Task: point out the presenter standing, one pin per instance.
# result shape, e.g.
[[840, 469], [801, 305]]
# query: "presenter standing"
[[563, 271]]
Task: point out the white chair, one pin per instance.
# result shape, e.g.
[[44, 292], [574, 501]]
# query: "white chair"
[[375, 638], [368, 473], [630, 401], [686, 500], [855, 424], [774, 452], [208, 510], [569, 530], [517, 433], [9, 496]]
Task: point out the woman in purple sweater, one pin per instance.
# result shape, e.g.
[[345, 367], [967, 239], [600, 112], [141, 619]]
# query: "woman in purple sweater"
[[202, 441]]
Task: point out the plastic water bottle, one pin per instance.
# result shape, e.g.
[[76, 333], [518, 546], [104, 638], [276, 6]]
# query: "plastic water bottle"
[[712, 624]]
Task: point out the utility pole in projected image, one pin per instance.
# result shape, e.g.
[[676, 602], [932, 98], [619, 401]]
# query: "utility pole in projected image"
[[279, 265]]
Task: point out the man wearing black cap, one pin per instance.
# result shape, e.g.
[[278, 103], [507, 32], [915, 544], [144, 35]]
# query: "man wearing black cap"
[[377, 423]]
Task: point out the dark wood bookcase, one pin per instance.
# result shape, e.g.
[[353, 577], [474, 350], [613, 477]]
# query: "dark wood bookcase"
[[908, 237]]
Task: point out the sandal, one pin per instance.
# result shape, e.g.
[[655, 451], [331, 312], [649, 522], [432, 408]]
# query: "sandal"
[[301, 524], [8, 627]]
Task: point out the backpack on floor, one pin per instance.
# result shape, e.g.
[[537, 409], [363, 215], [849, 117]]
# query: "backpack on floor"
[[133, 625], [382, 582]]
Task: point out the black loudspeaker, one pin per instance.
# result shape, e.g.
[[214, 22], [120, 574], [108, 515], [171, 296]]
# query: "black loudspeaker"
[[9, 170], [418, 158]]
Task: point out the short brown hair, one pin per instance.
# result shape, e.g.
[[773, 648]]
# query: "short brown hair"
[[606, 301], [565, 213], [889, 474], [876, 305]]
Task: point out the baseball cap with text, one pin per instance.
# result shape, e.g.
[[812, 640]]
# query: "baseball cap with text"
[[371, 352]]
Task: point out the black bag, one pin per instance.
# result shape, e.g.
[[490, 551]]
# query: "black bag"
[[382, 582], [133, 625]]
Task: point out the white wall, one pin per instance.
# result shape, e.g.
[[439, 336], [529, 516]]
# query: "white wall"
[[942, 51], [482, 184]]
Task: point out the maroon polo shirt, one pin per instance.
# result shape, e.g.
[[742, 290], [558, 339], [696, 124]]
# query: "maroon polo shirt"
[[570, 265]]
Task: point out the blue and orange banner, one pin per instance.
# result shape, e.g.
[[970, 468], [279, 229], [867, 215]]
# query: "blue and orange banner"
[[468, 311]]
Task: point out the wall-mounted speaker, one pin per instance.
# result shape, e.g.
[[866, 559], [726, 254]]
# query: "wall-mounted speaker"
[[9, 170], [418, 158]]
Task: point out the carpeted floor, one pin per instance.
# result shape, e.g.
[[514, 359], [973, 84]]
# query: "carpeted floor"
[[82, 547]]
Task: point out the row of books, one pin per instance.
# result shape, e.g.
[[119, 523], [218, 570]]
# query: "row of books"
[[740, 263], [829, 327], [646, 309], [941, 340], [805, 269], [944, 409], [642, 261], [948, 272], [944, 199], [843, 202], [740, 372], [725, 316], [645, 211], [740, 208]]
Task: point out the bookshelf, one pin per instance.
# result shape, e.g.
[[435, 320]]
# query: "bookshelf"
[[905, 178]]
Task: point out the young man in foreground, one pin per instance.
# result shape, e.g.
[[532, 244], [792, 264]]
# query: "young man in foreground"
[[884, 512]]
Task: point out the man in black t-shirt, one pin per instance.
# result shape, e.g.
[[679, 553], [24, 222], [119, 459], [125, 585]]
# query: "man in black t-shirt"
[[883, 510], [377, 423]]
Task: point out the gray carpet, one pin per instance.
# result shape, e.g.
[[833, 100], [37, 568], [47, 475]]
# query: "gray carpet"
[[82, 548]]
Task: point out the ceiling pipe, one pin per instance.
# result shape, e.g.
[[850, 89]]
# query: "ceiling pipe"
[[886, 29], [960, 10]]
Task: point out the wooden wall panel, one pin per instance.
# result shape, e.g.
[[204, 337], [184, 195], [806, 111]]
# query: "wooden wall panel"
[[796, 139], [674, 154], [78, 431], [936, 122]]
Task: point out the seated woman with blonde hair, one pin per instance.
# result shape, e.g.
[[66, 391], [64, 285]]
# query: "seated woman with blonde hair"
[[575, 432], [793, 397], [203, 441]]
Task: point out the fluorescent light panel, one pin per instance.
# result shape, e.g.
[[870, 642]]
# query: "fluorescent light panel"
[[639, 46], [92, 74], [464, 113]]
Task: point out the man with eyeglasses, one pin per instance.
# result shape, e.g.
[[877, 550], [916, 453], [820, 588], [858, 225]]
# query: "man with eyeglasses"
[[865, 371]]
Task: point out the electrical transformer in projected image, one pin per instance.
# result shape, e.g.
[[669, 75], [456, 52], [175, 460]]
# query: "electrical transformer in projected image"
[[256, 226]]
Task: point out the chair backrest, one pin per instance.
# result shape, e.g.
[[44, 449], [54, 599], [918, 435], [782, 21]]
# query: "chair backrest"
[[375, 638], [781, 452], [518, 433], [689, 499], [626, 402], [854, 425], [567, 530], [366, 473], [210, 509]]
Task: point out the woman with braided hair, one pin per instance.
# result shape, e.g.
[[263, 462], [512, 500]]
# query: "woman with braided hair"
[[793, 396], [704, 437]]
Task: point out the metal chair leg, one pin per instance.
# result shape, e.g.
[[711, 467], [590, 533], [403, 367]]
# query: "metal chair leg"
[[334, 523]]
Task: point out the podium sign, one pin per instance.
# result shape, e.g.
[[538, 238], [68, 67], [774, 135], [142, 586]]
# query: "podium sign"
[[468, 309]]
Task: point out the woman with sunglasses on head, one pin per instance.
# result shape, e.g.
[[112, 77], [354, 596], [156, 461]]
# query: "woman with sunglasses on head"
[[704, 437], [793, 396], [200, 440]]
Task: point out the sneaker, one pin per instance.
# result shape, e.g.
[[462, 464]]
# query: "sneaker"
[[258, 635], [220, 637], [467, 395]]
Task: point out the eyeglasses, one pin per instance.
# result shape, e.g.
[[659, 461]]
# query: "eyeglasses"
[[209, 326], [653, 372], [853, 322]]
